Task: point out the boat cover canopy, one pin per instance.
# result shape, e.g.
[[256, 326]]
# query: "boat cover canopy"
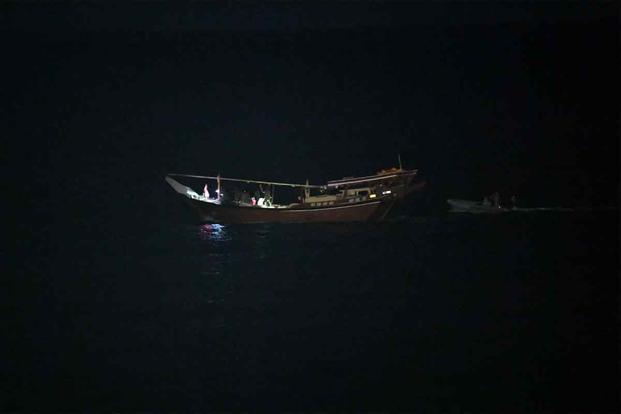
[[370, 178], [247, 181]]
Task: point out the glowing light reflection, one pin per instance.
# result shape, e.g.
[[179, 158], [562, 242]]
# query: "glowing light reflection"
[[215, 232]]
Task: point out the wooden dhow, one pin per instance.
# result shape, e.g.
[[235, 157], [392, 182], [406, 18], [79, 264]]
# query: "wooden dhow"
[[348, 199]]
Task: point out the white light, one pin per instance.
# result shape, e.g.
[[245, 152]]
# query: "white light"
[[372, 196], [386, 192]]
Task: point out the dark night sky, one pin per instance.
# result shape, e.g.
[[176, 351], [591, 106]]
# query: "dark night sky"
[[115, 296], [517, 97]]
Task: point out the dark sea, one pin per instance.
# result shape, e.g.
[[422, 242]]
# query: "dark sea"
[[114, 298], [436, 313]]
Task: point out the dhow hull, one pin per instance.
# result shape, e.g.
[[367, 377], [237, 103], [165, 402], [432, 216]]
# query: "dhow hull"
[[365, 211]]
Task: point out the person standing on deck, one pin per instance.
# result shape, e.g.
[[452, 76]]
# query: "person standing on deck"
[[496, 199], [206, 191], [218, 189]]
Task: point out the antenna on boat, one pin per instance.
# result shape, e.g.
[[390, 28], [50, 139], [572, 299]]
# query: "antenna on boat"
[[399, 156]]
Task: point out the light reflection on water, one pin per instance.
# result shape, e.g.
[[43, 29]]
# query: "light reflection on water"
[[226, 239], [214, 232]]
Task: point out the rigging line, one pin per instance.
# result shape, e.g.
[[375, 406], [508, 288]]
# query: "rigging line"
[[246, 181]]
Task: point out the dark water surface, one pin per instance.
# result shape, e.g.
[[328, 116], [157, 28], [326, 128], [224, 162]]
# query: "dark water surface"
[[113, 298], [448, 313]]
